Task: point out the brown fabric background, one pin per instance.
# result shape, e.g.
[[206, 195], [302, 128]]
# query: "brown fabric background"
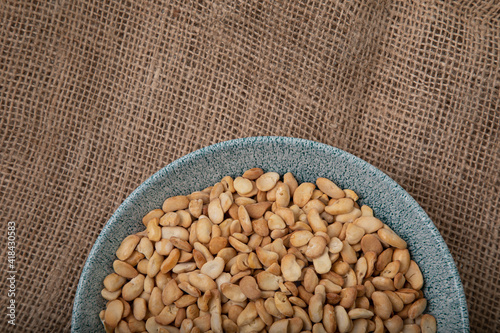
[[95, 96]]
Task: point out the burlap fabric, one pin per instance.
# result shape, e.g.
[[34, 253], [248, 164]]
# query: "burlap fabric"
[[96, 96]]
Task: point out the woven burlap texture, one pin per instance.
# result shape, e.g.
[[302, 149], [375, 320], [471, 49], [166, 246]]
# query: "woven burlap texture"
[[96, 96]]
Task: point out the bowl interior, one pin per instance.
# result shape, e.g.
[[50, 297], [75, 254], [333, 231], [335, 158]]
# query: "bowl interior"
[[307, 160]]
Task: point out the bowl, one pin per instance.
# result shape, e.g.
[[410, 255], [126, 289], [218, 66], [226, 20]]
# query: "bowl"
[[307, 160]]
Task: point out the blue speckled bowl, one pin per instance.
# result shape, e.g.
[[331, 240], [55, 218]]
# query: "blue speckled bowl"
[[307, 160]]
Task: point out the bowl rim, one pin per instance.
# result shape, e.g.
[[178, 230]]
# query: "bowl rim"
[[179, 163]]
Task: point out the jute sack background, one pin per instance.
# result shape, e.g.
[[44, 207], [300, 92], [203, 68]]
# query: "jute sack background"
[[95, 96]]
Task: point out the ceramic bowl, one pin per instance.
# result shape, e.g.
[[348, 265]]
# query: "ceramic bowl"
[[307, 160]]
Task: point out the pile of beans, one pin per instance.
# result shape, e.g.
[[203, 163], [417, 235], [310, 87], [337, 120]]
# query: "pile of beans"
[[262, 254]]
